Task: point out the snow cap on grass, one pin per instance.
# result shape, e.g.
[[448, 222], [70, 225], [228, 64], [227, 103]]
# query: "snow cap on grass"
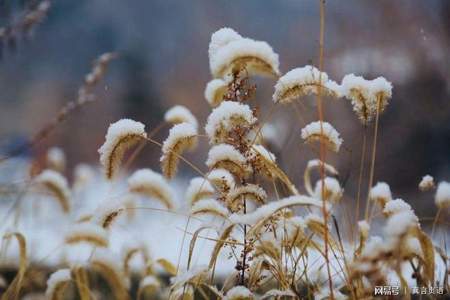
[[427, 183], [364, 95], [364, 228], [226, 117], [227, 157], [301, 82], [228, 51], [121, 135], [108, 264], [180, 114], [209, 206], [181, 137], [396, 206], [192, 276], [380, 90], [87, 233], [57, 283], [83, 175], [199, 188], [332, 190], [312, 132], [249, 191], [221, 38], [442, 197], [215, 91], [267, 210], [151, 184], [381, 193], [239, 293], [222, 179], [56, 159], [149, 281], [399, 225], [108, 211], [57, 185]]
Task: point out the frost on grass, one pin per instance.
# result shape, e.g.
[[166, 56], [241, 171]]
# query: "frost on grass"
[[229, 52], [209, 206], [151, 184], [199, 188], [227, 157], [226, 117], [56, 184], [181, 137], [57, 283], [380, 193], [121, 135], [180, 114], [442, 197], [86, 232], [315, 132], [215, 91], [304, 81], [427, 183]]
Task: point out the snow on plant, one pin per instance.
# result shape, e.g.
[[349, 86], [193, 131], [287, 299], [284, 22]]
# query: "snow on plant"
[[324, 132], [56, 184], [153, 185], [302, 82], [271, 231], [120, 136], [181, 137], [180, 114]]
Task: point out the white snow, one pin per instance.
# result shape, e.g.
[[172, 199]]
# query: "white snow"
[[442, 197], [198, 188], [221, 38], [269, 209], [306, 81], [381, 192], [60, 276], [396, 206], [223, 152], [313, 130], [87, 229], [239, 292], [231, 49], [427, 183], [332, 189], [56, 179], [215, 90], [147, 179], [180, 114], [221, 178], [211, 206], [116, 132], [56, 159], [227, 116], [178, 132]]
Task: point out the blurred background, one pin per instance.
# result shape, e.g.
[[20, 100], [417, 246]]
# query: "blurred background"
[[163, 61]]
